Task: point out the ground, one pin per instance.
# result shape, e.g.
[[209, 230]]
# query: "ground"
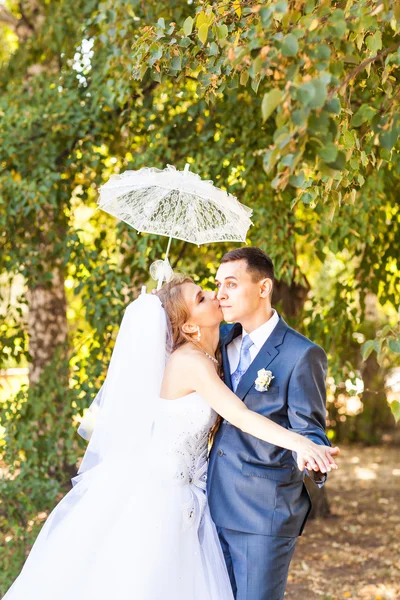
[[355, 554]]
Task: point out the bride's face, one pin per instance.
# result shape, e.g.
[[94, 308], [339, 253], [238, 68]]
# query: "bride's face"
[[203, 306]]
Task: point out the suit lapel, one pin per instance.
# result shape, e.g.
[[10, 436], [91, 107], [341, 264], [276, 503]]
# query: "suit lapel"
[[265, 356], [235, 330]]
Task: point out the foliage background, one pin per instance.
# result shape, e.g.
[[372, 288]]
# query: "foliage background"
[[293, 106]]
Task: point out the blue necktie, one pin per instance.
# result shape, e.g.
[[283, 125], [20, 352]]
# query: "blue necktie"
[[244, 361]]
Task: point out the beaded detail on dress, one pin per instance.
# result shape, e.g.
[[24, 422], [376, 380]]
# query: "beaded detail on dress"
[[182, 428]]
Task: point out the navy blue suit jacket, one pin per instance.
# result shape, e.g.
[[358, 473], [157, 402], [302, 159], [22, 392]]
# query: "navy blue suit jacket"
[[254, 486]]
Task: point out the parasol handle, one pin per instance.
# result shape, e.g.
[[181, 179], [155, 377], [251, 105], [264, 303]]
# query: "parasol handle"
[[161, 279]]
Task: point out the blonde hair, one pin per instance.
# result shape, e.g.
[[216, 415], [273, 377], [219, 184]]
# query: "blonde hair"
[[175, 306], [177, 311], [178, 314]]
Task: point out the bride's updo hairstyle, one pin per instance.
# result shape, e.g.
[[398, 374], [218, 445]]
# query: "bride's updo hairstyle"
[[175, 306], [172, 300]]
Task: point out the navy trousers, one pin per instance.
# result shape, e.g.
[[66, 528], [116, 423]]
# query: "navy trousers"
[[258, 565]]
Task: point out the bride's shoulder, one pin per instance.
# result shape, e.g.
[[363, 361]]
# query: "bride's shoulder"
[[185, 356]]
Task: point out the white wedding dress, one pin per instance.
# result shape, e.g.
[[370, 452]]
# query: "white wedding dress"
[[136, 524]]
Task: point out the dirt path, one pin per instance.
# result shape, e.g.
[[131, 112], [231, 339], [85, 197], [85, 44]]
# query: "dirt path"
[[355, 554]]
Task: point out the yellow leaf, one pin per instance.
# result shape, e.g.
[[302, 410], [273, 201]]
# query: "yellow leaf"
[[396, 10], [201, 19], [203, 33], [237, 8], [205, 17], [244, 77]]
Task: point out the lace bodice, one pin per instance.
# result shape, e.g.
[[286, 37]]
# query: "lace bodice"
[[180, 437]]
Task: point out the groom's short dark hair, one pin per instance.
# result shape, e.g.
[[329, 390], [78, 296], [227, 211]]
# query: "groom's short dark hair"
[[259, 264]]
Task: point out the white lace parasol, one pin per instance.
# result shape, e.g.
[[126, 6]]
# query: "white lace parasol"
[[177, 204]]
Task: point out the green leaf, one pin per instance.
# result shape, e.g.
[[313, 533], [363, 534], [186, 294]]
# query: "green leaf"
[[297, 180], [155, 56], [281, 6], [305, 93], [388, 139], [307, 198], [156, 76], [203, 32], [270, 159], [329, 152], [299, 117], [395, 408], [290, 45], [339, 163], [364, 114], [333, 106], [270, 102], [374, 42], [394, 346], [288, 160], [188, 26], [266, 13], [338, 23], [312, 93], [176, 63], [368, 348], [349, 139], [185, 42], [323, 52], [320, 94], [222, 32], [257, 64], [214, 50], [255, 83]]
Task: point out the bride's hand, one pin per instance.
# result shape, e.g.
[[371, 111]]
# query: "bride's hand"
[[315, 457]]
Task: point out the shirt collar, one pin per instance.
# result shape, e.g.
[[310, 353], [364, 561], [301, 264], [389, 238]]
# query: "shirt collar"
[[260, 335]]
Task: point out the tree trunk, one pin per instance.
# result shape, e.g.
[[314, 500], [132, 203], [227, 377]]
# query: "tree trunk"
[[47, 319], [47, 323], [376, 416], [292, 297]]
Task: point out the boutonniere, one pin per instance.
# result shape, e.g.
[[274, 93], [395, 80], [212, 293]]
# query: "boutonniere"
[[263, 380]]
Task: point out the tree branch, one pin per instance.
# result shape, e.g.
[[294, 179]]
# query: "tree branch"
[[180, 256], [24, 17], [7, 17], [361, 67]]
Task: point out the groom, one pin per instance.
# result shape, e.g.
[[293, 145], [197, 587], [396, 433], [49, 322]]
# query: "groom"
[[256, 493]]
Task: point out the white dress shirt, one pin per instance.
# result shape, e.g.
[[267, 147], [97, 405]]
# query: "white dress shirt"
[[259, 336]]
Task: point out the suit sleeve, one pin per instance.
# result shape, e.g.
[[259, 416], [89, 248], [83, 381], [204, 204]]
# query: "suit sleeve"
[[307, 398]]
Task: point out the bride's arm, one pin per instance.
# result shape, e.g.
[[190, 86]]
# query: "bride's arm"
[[206, 382]]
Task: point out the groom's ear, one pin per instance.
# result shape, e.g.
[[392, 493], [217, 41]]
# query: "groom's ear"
[[265, 287]]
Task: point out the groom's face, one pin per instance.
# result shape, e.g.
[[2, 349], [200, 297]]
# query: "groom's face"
[[238, 294]]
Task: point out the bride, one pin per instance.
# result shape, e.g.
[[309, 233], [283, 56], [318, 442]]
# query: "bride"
[[136, 524]]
